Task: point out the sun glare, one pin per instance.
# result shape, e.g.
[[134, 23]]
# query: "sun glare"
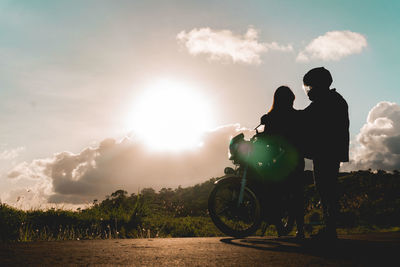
[[170, 115]]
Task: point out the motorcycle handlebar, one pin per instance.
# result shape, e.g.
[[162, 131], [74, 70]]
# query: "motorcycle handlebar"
[[257, 126]]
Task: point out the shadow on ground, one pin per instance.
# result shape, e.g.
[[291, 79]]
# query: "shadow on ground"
[[380, 250]]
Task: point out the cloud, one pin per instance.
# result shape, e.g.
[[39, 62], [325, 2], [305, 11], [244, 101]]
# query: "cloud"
[[378, 143], [224, 44], [11, 153], [333, 46], [31, 185], [98, 171], [70, 179]]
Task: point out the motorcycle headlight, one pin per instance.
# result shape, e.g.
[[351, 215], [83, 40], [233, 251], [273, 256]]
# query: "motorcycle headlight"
[[233, 146], [232, 151]]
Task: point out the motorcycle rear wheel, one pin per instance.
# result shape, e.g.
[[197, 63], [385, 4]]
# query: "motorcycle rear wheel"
[[229, 217]]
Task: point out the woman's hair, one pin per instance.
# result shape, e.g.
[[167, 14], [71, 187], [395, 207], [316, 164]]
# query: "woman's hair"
[[283, 99]]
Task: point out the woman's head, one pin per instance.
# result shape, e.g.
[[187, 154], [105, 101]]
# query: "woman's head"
[[283, 99]]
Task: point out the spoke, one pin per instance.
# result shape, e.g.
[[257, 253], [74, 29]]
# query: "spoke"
[[226, 208], [223, 210], [233, 195], [221, 200]]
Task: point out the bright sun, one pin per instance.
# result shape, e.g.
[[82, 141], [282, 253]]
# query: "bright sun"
[[171, 115]]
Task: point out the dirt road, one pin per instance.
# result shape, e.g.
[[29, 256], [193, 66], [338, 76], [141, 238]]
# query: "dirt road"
[[360, 250]]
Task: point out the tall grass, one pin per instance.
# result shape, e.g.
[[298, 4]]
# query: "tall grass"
[[96, 222]]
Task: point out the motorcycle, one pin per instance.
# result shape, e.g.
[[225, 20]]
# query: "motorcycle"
[[253, 193]]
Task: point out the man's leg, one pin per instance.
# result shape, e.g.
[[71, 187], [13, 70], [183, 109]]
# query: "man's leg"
[[326, 182]]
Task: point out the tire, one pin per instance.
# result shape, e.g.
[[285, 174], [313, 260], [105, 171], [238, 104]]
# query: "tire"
[[232, 220]]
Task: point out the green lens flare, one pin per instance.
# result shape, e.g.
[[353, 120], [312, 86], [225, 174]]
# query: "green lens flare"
[[273, 158]]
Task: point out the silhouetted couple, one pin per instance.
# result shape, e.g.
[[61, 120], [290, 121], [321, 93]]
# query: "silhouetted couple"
[[319, 132]]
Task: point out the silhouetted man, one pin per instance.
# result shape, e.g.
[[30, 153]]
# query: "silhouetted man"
[[327, 124]]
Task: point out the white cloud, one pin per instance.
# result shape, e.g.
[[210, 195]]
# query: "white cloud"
[[11, 153], [31, 186], [99, 171], [224, 44], [378, 143], [32, 170], [333, 46]]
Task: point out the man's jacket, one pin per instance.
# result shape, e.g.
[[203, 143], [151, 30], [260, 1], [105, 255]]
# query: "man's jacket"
[[327, 127]]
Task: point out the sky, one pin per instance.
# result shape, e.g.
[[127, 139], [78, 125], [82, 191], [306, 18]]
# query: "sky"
[[91, 89]]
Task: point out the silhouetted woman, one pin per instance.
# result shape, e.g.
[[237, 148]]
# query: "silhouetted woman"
[[283, 121]]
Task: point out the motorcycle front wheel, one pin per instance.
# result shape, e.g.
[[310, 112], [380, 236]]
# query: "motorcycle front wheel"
[[233, 218]]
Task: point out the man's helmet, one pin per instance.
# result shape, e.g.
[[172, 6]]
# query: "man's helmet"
[[318, 77]]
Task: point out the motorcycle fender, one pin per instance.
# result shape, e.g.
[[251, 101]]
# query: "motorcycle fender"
[[232, 177], [237, 179]]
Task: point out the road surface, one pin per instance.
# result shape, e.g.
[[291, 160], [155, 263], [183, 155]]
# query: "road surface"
[[351, 250]]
